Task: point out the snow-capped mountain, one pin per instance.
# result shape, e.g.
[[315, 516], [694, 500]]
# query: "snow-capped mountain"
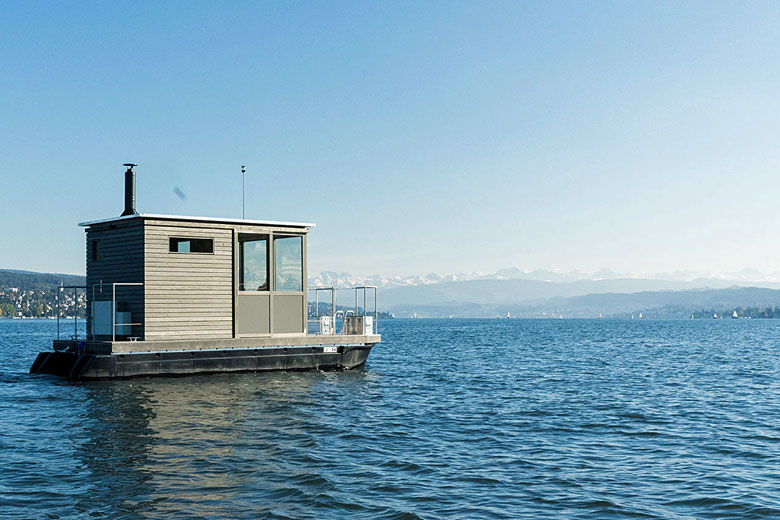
[[346, 280]]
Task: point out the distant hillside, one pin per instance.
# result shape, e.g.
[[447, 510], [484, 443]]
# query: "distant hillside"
[[528, 292], [662, 304], [749, 301], [34, 295], [29, 280]]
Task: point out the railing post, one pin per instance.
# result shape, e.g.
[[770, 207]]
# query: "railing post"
[[75, 315], [113, 312], [59, 289], [90, 310]]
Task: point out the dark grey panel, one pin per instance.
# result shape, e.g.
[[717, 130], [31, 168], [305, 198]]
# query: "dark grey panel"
[[253, 313], [288, 313]]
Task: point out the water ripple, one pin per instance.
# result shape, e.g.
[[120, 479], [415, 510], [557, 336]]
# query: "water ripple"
[[451, 419]]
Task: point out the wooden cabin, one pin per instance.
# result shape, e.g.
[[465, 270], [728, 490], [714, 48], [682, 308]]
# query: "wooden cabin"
[[198, 277]]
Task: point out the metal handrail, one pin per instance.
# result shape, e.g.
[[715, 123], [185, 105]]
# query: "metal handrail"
[[365, 288], [114, 285], [336, 315], [75, 316], [356, 312], [317, 289]]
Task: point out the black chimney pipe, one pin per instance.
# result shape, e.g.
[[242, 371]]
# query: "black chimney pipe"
[[129, 190]]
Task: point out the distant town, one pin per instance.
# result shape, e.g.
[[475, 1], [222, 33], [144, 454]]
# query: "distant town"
[[34, 295], [31, 303]]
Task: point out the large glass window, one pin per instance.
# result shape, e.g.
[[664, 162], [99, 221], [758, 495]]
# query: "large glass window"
[[253, 262], [288, 263]]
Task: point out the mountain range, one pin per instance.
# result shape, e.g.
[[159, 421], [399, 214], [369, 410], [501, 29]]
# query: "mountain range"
[[745, 276], [543, 293]]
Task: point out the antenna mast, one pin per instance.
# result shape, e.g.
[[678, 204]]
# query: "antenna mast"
[[243, 199]]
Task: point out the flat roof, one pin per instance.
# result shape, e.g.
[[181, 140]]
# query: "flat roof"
[[200, 219]]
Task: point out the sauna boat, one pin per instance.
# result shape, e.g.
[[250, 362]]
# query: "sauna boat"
[[174, 295]]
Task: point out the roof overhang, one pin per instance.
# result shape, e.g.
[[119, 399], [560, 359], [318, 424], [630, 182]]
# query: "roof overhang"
[[182, 218]]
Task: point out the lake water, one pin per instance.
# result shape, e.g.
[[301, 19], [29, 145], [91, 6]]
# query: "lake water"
[[450, 419]]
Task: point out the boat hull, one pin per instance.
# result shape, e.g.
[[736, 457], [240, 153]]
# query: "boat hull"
[[85, 367]]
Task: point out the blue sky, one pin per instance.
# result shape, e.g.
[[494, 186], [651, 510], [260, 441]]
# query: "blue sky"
[[419, 136]]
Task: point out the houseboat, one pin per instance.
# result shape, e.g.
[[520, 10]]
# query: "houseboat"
[[177, 295]]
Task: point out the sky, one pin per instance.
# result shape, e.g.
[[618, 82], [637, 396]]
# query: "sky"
[[419, 136]]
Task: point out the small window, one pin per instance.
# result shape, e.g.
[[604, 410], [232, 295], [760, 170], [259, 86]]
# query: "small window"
[[95, 250], [191, 245]]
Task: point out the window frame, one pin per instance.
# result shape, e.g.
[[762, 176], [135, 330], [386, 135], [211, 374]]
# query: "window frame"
[[171, 243], [240, 274], [302, 289]]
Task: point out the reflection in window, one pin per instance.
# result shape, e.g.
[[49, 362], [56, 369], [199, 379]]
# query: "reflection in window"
[[191, 245], [288, 263], [253, 263]]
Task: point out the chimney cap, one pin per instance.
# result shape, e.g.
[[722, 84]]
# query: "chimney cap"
[[129, 165]]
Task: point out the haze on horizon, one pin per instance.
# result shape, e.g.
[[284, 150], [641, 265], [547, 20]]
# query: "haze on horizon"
[[445, 137]]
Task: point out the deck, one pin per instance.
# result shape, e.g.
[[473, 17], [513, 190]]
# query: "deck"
[[292, 340]]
